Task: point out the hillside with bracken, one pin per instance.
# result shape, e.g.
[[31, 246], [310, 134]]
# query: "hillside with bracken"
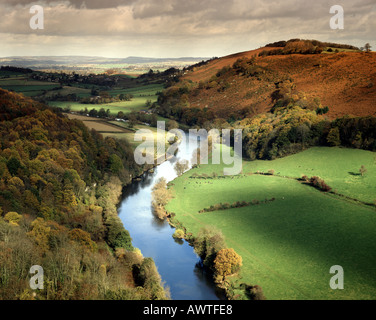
[[312, 74]]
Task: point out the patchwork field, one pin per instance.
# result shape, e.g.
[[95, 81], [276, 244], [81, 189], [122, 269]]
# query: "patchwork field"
[[28, 87], [119, 130], [289, 244], [140, 97]]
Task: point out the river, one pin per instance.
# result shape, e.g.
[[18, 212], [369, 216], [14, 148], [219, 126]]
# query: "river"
[[176, 260]]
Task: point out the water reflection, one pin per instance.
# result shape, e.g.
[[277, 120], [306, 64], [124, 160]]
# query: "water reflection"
[[175, 259]]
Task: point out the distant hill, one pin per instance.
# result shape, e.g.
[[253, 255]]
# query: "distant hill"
[[44, 62], [313, 73]]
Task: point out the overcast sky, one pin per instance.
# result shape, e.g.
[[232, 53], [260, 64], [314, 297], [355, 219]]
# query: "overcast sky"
[[176, 28]]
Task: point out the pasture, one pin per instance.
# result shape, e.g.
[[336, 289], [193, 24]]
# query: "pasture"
[[26, 86], [289, 244], [140, 97]]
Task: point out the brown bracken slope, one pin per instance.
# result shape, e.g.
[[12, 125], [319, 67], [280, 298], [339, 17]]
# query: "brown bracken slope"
[[345, 82]]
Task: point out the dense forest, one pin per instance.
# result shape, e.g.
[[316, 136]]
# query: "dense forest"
[[59, 187]]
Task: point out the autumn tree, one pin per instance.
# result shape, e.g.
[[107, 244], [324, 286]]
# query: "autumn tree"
[[13, 218], [367, 47], [40, 234], [227, 262], [82, 237]]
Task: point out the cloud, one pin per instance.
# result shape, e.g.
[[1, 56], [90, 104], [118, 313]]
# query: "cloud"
[[226, 26], [88, 4]]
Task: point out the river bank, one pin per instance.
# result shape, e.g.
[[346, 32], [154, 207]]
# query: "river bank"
[[176, 261]]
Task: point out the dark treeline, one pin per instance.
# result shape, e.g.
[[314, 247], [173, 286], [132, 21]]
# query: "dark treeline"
[[15, 69], [59, 187], [288, 131], [315, 43]]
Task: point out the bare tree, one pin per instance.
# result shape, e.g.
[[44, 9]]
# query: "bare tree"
[[362, 170], [181, 166]]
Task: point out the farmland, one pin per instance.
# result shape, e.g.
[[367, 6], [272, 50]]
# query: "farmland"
[[289, 244], [77, 92], [116, 129], [140, 97], [28, 87]]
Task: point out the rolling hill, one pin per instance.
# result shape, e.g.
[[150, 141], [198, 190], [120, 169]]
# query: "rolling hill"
[[342, 79]]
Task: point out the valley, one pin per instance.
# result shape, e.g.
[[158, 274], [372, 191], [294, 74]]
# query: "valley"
[[304, 201]]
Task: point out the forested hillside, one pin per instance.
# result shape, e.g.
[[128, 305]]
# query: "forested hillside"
[[59, 187]]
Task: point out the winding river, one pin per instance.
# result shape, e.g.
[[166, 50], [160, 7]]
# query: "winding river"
[[176, 260]]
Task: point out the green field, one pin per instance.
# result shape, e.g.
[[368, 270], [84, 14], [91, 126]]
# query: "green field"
[[27, 87], [288, 245], [140, 96], [136, 104]]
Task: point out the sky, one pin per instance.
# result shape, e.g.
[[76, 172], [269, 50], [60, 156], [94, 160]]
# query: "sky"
[[176, 28]]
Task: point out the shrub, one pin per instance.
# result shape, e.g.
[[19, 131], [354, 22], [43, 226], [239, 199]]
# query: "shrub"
[[178, 234], [319, 183], [255, 293]]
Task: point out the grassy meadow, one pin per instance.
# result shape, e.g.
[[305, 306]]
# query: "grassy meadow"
[[21, 84], [140, 96], [288, 245]]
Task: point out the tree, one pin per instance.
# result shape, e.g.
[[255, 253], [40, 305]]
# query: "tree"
[[117, 236], [227, 262], [154, 120], [208, 243], [116, 165], [94, 92], [333, 137], [40, 233], [362, 170], [172, 124], [102, 113], [367, 47], [93, 113], [13, 165], [160, 196], [13, 218], [181, 166], [82, 237]]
